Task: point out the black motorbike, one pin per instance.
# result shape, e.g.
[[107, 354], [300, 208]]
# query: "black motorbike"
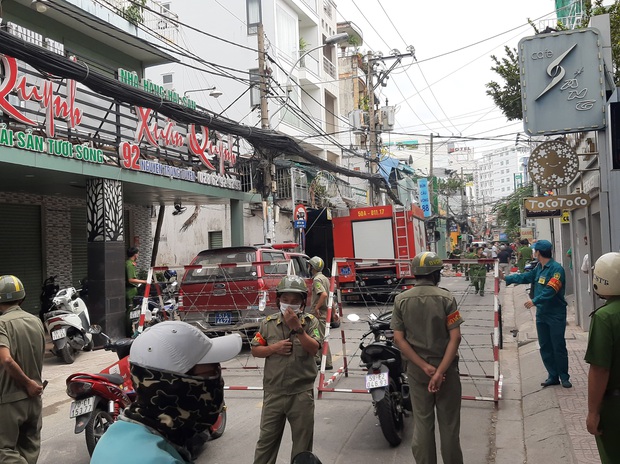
[[385, 379], [48, 292]]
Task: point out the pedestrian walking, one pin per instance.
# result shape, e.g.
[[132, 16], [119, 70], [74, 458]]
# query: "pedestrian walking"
[[289, 342], [426, 323], [469, 254], [22, 345], [131, 286], [548, 284], [318, 303], [176, 373], [603, 355], [524, 255], [478, 273], [504, 256]]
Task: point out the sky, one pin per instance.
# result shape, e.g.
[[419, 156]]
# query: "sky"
[[446, 95]]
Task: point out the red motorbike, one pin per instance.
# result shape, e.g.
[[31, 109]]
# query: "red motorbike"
[[100, 398]]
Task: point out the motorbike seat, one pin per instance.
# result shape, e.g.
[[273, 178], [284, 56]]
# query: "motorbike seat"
[[57, 312], [113, 378]]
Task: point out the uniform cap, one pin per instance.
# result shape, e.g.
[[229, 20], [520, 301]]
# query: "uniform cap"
[[176, 347], [542, 245]]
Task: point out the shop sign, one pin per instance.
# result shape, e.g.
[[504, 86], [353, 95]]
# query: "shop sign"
[[552, 203], [131, 78], [527, 233]]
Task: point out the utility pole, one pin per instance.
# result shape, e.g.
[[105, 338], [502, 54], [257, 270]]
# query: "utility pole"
[[372, 125], [463, 213], [268, 189], [432, 179]]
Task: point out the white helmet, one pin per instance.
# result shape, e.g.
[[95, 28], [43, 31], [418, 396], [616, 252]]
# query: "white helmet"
[[606, 275]]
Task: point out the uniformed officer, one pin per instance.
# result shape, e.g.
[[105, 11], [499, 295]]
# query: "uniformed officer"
[[548, 282], [318, 304], [469, 254], [478, 272], [426, 324], [22, 344], [603, 355], [289, 341]]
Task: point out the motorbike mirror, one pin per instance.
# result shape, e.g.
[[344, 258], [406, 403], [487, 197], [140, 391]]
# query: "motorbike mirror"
[[94, 329], [353, 317]]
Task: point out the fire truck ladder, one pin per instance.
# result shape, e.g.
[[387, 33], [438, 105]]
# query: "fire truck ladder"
[[402, 242]]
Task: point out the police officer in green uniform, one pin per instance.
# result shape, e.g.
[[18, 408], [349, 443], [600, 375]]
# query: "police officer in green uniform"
[[478, 272], [469, 254], [524, 254], [22, 344], [548, 282], [426, 324], [603, 355], [289, 342], [318, 304], [131, 286]]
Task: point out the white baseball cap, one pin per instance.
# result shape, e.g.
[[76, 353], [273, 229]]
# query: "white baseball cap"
[[176, 346]]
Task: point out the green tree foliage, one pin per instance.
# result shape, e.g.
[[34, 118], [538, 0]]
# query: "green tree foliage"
[[507, 94], [508, 210]]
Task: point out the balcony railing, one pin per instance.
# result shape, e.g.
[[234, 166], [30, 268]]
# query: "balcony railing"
[[329, 67], [154, 17]]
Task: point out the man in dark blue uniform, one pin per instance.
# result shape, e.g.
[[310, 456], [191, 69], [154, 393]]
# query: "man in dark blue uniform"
[[548, 281]]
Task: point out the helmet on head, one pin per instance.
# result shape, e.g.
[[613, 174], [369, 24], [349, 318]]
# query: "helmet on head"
[[169, 274], [11, 289], [426, 263], [292, 284], [606, 275], [316, 263]]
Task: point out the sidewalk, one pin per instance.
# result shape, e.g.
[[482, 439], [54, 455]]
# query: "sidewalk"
[[549, 421]]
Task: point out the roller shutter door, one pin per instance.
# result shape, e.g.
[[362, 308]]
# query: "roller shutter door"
[[79, 249], [21, 249]]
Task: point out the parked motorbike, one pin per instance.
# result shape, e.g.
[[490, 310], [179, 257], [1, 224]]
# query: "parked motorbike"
[[386, 379], [48, 292], [67, 322], [162, 304], [100, 398]]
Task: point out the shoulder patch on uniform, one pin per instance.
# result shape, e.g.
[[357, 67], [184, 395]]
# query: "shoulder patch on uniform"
[[316, 333], [259, 340], [272, 317], [556, 275], [555, 284], [453, 318]]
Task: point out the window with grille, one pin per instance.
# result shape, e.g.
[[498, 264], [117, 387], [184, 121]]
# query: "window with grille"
[[254, 15], [215, 239], [255, 90]]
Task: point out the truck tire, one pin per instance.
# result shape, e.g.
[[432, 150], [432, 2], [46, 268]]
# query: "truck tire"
[[67, 354], [390, 419], [96, 427]]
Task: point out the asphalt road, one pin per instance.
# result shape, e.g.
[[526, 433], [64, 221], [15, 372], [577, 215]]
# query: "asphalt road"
[[346, 429]]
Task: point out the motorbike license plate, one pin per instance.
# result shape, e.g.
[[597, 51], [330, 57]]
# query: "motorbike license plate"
[[80, 407], [135, 314], [223, 318], [58, 334], [377, 380]]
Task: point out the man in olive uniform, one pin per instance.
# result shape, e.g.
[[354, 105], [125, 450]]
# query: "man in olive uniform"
[[289, 342], [478, 273], [426, 324], [603, 355], [469, 254], [22, 344], [524, 254], [131, 286], [548, 282], [318, 304]]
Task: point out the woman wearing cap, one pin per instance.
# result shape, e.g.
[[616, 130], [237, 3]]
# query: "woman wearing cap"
[[548, 282], [180, 393]]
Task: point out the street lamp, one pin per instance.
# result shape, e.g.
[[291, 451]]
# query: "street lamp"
[[331, 40], [214, 92]]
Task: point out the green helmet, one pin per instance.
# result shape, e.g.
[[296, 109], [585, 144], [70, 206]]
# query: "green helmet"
[[316, 263], [292, 284], [426, 263], [11, 289]]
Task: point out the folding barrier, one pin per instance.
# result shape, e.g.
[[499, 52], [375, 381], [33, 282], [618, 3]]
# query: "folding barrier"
[[476, 323]]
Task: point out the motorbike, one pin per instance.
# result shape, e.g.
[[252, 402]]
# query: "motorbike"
[[48, 292], [385, 379], [67, 322], [162, 303], [100, 398]]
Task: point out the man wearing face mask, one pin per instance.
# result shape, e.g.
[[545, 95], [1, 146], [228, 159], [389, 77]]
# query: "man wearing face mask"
[[175, 369], [288, 341]]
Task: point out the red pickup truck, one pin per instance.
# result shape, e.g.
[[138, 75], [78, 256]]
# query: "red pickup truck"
[[232, 289]]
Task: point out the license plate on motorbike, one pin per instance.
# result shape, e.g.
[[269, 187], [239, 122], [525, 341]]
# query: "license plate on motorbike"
[[135, 314], [377, 380], [80, 407], [58, 334], [223, 318]]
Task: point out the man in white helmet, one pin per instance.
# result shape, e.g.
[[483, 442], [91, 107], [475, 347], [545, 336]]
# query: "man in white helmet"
[[603, 355], [22, 344]]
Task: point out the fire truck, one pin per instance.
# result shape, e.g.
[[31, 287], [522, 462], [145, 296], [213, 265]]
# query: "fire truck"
[[378, 243]]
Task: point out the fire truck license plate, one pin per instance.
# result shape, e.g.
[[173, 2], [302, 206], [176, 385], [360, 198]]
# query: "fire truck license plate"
[[377, 380], [135, 314], [80, 407], [223, 318], [58, 334]]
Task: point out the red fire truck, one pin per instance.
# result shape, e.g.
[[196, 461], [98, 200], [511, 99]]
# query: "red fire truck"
[[381, 240]]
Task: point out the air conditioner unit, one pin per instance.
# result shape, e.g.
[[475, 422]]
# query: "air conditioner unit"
[[358, 119]]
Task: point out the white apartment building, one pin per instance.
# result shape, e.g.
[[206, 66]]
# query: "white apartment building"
[[499, 173]]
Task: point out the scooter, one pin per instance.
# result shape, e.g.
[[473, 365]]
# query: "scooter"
[[68, 322], [386, 379], [48, 292], [162, 306], [100, 398]]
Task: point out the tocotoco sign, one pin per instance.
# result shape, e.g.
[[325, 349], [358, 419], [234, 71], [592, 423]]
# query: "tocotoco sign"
[[561, 202]]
